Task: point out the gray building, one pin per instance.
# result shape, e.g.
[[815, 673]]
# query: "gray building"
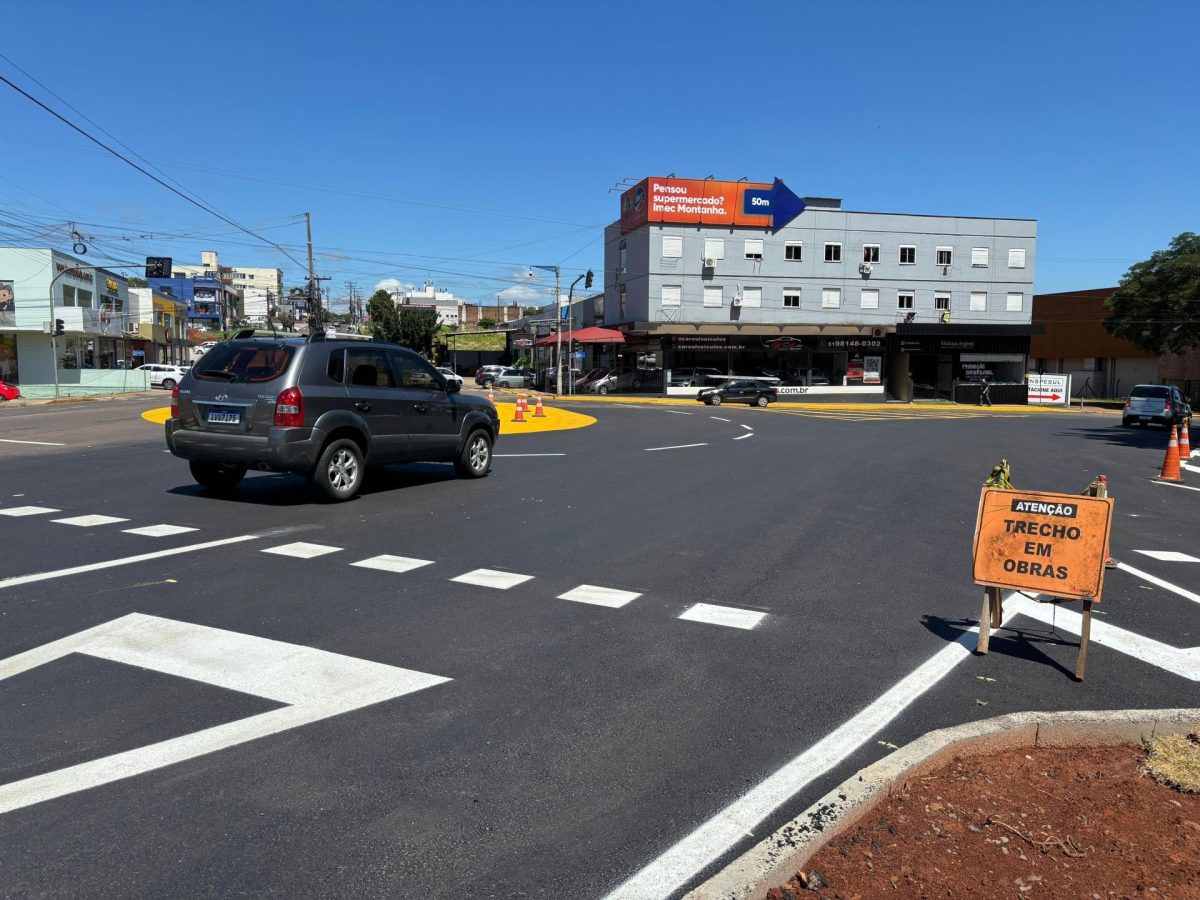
[[836, 302]]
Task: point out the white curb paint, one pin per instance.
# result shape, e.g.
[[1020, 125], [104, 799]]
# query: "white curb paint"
[[302, 550], [314, 683], [1168, 555], [27, 511], [491, 578], [674, 447], [1166, 585], [388, 563], [711, 840], [34, 443], [125, 561], [712, 614], [600, 596], [89, 521], [158, 530]]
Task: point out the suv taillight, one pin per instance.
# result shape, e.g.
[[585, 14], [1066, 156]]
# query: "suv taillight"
[[289, 407], [1167, 408], [175, 402]]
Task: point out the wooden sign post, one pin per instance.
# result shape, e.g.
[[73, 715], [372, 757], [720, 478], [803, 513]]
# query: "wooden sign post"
[[1044, 543]]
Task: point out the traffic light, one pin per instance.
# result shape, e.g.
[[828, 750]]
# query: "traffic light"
[[587, 280], [60, 327]]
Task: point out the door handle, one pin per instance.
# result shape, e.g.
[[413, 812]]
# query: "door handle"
[[362, 406], [421, 408]]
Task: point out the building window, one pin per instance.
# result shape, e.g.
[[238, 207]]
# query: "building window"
[[83, 298], [713, 295], [945, 256], [833, 252], [979, 257], [754, 248], [621, 248], [68, 295], [1014, 303], [672, 246], [1016, 258], [791, 298], [752, 296], [714, 248], [793, 250], [869, 299], [978, 301], [831, 298], [906, 300], [908, 255], [621, 300], [870, 253], [941, 302], [672, 294]]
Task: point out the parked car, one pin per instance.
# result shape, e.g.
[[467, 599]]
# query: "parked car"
[[9, 391], [324, 409], [514, 378], [1155, 404], [487, 375], [694, 377], [740, 390], [582, 382], [449, 375], [163, 375]]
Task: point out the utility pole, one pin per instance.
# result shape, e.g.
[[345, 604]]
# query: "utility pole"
[[314, 289], [558, 316]]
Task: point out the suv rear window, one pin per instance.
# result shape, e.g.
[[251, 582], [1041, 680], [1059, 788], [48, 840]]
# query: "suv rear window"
[[250, 362], [1151, 390]]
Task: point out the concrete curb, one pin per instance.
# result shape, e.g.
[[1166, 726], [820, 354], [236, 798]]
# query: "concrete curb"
[[776, 859]]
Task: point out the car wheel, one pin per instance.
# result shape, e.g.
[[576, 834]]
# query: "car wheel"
[[476, 457], [1125, 423], [488, 382], [714, 400], [217, 477], [603, 389], [168, 384], [761, 402], [339, 474]]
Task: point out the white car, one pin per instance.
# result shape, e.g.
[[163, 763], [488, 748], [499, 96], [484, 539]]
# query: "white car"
[[449, 375], [162, 375]]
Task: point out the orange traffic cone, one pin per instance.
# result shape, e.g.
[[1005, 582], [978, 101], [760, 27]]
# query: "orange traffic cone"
[[1185, 444], [491, 393], [1170, 466], [538, 413], [519, 416]]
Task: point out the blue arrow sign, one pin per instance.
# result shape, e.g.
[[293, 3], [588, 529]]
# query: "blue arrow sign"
[[785, 205]]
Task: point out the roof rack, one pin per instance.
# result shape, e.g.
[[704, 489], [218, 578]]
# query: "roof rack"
[[339, 336]]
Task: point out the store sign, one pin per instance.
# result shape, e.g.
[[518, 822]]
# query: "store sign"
[[74, 273], [1053, 544], [849, 343], [784, 343], [872, 368], [1049, 390], [854, 368], [977, 371], [700, 341], [522, 342]]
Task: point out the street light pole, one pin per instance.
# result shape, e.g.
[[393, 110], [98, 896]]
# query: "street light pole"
[[558, 316]]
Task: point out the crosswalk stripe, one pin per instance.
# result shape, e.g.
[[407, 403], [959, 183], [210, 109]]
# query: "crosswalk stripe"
[[600, 596], [492, 578], [158, 530], [15, 511], [729, 616], [388, 563], [302, 550], [89, 521]]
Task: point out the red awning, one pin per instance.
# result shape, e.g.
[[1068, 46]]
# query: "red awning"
[[593, 335]]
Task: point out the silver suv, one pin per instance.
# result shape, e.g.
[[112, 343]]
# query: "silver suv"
[[324, 409]]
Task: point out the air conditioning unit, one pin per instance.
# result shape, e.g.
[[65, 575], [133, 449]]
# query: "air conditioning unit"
[[710, 262], [736, 301], [864, 268]]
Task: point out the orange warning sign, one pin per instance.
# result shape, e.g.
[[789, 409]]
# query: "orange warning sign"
[[1054, 544]]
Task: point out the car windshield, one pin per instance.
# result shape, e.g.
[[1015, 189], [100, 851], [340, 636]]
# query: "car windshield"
[[250, 362], [1151, 390]]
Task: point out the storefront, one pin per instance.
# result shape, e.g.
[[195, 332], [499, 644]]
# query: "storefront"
[[9, 368], [950, 362]]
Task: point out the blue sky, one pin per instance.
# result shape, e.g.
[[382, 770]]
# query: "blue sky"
[[466, 141]]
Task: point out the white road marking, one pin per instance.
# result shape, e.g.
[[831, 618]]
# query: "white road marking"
[[713, 838], [158, 530], [389, 563], [742, 437], [712, 614], [600, 596], [302, 550], [502, 581], [27, 511], [747, 427], [674, 447], [677, 412], [1166, 585], [1190, 467], [314, 683], [34, 443], [89, 521], [1168, 555], [1186, 487], [719, 419], [124, 561], [514, 455]]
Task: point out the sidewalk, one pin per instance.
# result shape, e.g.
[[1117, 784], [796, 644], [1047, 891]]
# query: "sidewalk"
[[52, 401]]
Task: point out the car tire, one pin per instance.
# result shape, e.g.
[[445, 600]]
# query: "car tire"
[[339, 473], [761, 402], [714, 400], [168, 384], [475, 461], [1125, 423], [603, 389], [488, 382], [216, 477]]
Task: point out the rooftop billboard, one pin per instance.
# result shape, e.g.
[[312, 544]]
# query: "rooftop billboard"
[[703, 201]]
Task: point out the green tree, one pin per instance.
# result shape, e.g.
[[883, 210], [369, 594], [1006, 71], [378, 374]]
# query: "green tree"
[[135, 281], [487, 323], [385, 320], [417, 329], [1157, 305], [531, 310]]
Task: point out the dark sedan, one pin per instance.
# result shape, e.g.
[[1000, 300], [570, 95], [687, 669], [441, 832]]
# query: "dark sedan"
[[756, 393]]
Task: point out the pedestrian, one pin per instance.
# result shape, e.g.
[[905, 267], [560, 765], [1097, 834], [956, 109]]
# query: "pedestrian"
[[985, 392]]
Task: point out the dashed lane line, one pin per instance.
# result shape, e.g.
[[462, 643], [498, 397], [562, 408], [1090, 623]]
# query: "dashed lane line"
[[518, 455], [747, 427], [33, 443], [742, 437], [719, 419], [675, 447]]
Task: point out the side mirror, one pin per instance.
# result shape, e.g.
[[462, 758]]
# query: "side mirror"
[[452, 387]]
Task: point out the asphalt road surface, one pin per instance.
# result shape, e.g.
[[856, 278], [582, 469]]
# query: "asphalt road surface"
[[690, 623]]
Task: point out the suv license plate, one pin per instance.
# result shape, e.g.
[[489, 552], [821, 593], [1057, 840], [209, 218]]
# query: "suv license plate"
[[224, 417], [1145, 418]]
